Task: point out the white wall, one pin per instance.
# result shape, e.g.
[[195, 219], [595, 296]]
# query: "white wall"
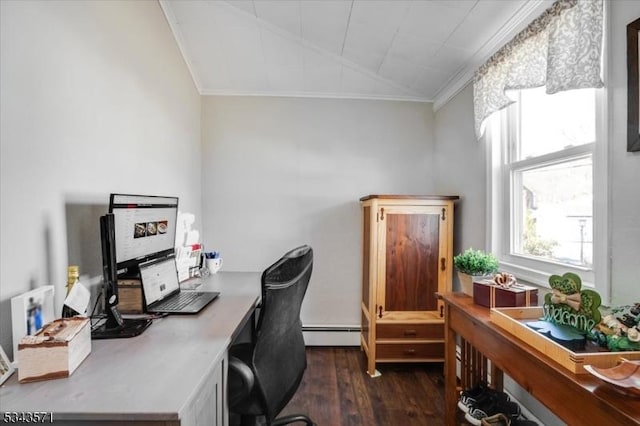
[[461, 170], [95, 98], [280, 172], [624, 181]]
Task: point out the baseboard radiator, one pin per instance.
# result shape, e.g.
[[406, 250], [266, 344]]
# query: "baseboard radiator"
[[331, 335]]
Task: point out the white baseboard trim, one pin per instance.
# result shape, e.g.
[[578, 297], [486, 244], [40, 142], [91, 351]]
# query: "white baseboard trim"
[[331, 335], [523, 409]]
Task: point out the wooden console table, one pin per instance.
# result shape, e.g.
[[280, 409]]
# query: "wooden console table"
[[487, 350]]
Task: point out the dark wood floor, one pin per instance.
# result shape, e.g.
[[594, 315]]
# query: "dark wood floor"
[[336, 391]]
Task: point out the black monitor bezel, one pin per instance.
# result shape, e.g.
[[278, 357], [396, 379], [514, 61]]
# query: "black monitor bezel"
[[130, 266]]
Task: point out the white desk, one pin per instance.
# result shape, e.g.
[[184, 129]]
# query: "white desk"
[[172, 374]]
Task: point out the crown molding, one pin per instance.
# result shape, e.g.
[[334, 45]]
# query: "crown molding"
[[527, 13], [346, 95]]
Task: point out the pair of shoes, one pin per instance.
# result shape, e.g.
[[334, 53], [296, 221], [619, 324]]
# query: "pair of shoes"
[[468, 397], [501, 419], [491, 404], [480, 392]]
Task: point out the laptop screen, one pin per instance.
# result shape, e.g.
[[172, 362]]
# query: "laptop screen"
[[159, 279]]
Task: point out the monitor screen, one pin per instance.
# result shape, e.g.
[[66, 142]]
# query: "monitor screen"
[[145, 227]]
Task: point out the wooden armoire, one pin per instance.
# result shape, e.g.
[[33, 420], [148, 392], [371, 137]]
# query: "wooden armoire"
[[407, 254]]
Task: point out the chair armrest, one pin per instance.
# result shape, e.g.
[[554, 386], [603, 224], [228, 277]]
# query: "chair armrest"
[[241, 380]]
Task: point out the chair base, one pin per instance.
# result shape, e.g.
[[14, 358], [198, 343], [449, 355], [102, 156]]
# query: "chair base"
[[286, 420], [281, 421]]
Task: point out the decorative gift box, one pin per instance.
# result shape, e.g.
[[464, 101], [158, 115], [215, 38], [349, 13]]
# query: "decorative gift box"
[[55, 351], [486, 293]]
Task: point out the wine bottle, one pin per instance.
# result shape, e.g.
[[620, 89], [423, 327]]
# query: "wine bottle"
[[73, 276]]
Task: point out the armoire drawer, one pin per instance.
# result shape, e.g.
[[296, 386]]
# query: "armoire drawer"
[[410, 331], [408, 351]]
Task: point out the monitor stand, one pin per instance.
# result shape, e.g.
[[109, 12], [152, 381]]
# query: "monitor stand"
[[129, 328]]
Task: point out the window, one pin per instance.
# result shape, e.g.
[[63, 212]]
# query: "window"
[[544, 148]]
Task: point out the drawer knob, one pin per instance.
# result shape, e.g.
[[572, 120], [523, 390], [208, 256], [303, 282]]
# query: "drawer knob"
[[410, 333], [409, 351]]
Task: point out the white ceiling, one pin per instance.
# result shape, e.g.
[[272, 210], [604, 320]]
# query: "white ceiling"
[[422, 50]]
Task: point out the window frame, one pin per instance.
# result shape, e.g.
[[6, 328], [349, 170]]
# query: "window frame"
[[500, 193]]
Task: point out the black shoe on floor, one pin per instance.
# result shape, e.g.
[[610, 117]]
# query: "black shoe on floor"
[[496, 403], [478, 393], [468, 397]]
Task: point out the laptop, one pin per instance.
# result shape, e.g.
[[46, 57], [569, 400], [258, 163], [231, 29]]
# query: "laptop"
[[162, 292]]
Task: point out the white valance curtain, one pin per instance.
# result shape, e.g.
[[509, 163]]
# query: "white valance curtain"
[[561, 49]]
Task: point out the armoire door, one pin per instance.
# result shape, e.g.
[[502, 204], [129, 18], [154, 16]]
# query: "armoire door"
[[412, 259]]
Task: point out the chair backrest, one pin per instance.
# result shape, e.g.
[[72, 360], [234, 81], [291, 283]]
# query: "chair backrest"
[[279, 357]]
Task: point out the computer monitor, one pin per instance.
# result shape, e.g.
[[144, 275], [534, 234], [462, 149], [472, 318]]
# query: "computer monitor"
[[145, 228]]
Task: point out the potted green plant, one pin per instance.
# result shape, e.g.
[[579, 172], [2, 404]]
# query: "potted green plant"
[[473, 265]]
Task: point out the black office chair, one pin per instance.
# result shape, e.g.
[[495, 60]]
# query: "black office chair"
[[265, 374]]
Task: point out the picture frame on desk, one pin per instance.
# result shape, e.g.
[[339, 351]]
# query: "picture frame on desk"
[[6, 368], [30, 311]]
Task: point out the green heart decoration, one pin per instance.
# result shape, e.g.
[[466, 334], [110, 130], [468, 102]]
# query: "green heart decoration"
[[590, 304], [570, 284]]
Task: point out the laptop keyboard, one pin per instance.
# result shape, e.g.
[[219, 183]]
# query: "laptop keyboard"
[[183, 299]]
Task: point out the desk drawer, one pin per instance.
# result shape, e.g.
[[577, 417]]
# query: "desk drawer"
[[410, 351], [410, 331]]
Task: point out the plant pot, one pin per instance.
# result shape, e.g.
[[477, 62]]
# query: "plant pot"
[[466, 282]]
